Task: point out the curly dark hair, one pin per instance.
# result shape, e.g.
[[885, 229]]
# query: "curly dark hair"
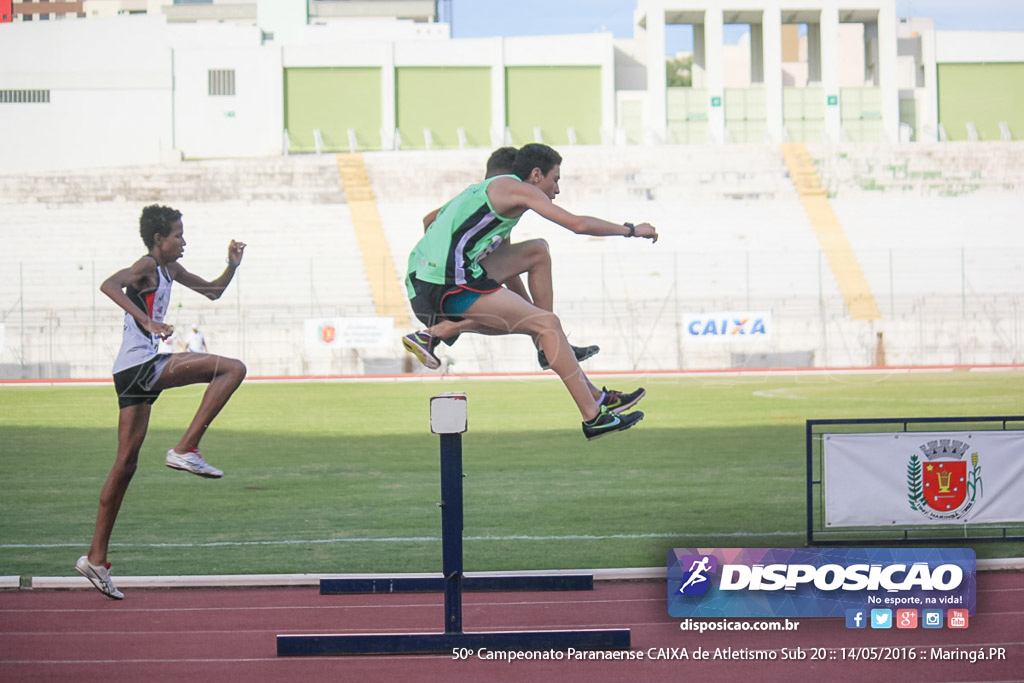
[[501, 161], [156, 219]]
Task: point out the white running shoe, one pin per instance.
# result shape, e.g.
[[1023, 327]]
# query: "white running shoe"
[[99, 576], [192, 462]]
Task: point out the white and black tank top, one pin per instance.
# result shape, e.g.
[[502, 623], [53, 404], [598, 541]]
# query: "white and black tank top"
[[138, 345]]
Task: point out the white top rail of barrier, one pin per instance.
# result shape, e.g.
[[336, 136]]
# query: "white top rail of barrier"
[[449, 413]]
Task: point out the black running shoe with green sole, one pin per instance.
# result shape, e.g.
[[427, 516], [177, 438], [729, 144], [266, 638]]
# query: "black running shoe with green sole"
[[616, 401], [607, 422], [582, 353], [421, 345]]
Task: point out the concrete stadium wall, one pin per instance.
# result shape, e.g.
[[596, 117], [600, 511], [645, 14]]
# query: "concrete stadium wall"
[[134, 90], [110, 93], [247, 123]]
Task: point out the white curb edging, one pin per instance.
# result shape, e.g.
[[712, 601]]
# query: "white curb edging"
[[290, 580]]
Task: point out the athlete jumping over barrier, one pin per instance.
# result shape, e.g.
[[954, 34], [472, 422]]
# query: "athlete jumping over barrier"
[[447, 280]]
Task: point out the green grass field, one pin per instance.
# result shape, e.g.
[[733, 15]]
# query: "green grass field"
[[343, 477]]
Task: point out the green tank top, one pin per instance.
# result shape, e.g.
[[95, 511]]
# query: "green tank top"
[[464, 232]]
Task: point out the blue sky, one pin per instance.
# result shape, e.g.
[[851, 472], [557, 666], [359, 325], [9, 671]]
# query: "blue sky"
[[483, 18]]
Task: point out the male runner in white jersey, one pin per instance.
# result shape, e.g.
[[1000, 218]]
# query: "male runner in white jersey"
[[141, 372], [447, 281]]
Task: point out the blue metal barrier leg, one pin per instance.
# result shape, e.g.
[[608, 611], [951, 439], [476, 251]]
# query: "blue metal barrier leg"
[[448, 419]]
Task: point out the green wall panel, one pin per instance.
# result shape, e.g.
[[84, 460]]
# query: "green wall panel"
[[908, 115], [332, 100], [983, 94], [443, 99], [746, 114], [803, 114], [554, 98], [861, 112], [686, 113], [631, 119]]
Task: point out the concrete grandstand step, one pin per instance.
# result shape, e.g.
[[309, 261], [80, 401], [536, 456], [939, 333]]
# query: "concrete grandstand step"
[[592, 172], [309, 179], [935, 169]]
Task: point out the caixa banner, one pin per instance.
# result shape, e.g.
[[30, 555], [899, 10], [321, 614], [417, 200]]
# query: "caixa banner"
[[817, 582], [727, 326]]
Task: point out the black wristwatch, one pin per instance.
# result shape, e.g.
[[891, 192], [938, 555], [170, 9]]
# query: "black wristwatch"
[[632, 229]]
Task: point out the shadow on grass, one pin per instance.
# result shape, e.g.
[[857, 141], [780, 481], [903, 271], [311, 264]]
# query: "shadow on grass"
[[323, 504]]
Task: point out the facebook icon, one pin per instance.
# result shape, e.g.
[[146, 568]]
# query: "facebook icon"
[[856, 618]]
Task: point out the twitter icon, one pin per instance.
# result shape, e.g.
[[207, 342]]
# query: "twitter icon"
[[881, 618]]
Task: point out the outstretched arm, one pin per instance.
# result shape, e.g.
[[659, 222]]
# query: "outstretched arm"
[[513, 197], [211, 290]]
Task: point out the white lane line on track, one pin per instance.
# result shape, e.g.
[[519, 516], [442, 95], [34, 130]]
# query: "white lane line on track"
[[409, 539]]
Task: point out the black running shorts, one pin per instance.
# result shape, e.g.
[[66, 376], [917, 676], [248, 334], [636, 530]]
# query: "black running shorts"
[[432, 302], [134, 385]]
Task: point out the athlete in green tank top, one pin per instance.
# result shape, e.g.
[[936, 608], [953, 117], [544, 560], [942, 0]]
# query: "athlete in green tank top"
[[464, 232]]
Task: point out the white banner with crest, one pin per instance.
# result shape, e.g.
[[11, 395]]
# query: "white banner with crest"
[[350, 333], [912, 478]]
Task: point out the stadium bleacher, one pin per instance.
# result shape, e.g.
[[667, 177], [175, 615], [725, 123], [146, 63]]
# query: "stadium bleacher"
[[934, 228]]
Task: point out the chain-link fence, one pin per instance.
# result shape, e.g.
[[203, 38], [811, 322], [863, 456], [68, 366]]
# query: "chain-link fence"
[[938, 307]]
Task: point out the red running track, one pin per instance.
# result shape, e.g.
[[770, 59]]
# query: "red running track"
[[228, 635]]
